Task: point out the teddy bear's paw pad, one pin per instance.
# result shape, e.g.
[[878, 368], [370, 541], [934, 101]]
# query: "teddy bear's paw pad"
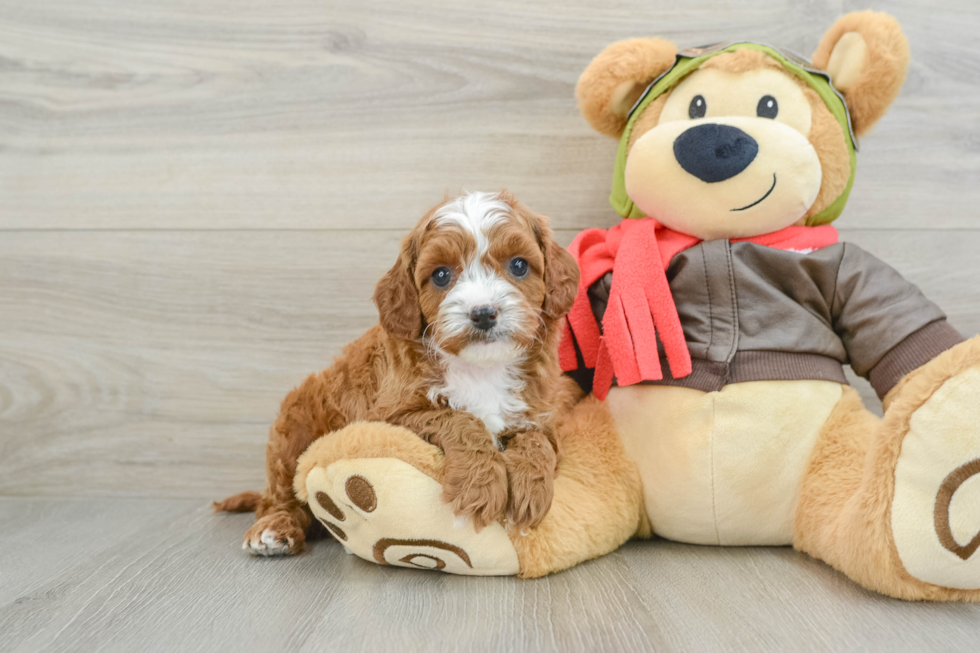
[[936, 508], [388, 512]]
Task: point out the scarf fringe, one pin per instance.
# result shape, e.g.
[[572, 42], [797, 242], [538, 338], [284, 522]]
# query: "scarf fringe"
[[640, 307]]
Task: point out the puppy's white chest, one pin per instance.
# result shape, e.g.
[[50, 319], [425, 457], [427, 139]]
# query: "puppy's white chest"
[[490, 393]]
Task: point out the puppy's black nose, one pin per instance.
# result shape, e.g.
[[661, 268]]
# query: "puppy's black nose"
[[714, 152], [484, 317]]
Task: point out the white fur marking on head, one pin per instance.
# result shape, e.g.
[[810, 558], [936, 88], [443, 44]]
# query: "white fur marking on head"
[[478, 284], [476, 213]]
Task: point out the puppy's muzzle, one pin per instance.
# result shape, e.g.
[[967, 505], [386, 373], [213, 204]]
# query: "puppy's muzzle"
[[484, 317]]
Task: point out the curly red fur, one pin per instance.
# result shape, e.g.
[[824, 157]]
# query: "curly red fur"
[[386, 374]]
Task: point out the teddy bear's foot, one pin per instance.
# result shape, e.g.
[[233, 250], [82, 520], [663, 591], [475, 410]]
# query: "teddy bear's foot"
[[388, 511], [935, 513], [374, 487], [894, 503]]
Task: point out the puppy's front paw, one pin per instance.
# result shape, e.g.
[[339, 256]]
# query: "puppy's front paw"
[[475, 484], [531, 493], [531, 463], [275, 534]]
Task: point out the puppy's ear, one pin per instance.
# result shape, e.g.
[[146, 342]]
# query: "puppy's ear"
[[397, 298], [561, 272], [616, 78], [561, 275], [867, 57]]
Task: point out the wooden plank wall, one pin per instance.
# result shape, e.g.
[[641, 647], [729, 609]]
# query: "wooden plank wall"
[[196, 199]]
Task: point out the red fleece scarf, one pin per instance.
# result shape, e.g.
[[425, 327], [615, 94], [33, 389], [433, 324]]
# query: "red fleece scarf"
[[640, 305]]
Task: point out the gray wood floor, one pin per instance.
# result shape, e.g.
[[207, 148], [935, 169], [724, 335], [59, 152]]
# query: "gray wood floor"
[[196, 199], [165, 574]]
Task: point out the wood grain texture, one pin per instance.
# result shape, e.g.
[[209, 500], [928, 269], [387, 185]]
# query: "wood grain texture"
[[196, 199], [173, 579], [337, 115]]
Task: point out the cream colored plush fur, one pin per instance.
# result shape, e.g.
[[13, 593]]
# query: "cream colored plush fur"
[[713, 472]]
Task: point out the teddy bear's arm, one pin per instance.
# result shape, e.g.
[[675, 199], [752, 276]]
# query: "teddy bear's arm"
[[887, 325]]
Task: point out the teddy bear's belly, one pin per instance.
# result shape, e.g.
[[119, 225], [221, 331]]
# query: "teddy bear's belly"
[[723, 467]]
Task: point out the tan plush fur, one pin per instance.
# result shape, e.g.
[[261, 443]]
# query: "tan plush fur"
[[741, 61], [885, 67], [647, 120], [386, 374], [827, 138], [844, 512], [634, 63], [367, 440], [598, 497]]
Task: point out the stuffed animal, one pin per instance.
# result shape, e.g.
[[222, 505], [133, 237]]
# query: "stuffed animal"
[[712, 326]]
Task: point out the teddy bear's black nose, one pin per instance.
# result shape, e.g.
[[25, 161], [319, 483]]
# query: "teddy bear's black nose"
[[713, 152]]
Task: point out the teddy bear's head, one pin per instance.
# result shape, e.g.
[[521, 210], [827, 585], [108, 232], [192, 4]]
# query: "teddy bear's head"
[[741, 140]]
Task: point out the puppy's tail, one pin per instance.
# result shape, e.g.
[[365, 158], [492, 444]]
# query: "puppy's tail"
[[242, 502]]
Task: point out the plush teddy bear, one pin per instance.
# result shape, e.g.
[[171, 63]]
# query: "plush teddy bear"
[[712, 326]]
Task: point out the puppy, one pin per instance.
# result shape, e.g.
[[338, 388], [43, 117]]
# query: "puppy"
[[465, 356]]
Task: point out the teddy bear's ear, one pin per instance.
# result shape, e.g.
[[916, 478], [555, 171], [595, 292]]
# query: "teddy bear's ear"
[[867, 57], [615, 79]]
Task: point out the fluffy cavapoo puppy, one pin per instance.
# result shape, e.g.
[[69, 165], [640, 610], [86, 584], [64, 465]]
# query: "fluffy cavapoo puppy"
[[465, 356]]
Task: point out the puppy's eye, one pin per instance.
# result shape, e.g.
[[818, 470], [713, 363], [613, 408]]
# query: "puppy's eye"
[[698, 107], [767, 107], [518, 267], [442, 276]]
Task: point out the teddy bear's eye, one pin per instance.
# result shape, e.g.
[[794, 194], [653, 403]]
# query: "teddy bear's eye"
[[698, 107], [767, 107]]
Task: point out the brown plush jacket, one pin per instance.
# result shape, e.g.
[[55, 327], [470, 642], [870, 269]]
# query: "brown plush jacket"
[[754, 313]]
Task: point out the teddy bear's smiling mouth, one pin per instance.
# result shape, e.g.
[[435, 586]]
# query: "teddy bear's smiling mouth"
[[768, 193]]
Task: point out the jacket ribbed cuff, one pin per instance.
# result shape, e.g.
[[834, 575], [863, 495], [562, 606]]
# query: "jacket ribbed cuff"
[[911, 354]]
